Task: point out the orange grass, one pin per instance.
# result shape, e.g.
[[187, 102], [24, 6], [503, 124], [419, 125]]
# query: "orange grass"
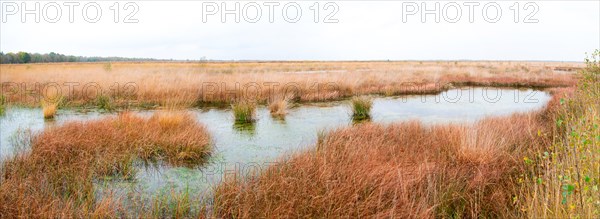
[[55, 179], [49, 110], [401, 170], [190, 84], [278, 107], [404, 170]]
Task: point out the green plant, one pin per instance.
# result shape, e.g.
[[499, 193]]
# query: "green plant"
[[244, 111], [174, 204], [361, 108], [103, 102], [563, 180], [2, 104]]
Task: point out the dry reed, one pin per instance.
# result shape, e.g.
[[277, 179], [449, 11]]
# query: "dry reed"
[[278, 107], [49, 110], [399, 171], [190, 84], [56, 177]]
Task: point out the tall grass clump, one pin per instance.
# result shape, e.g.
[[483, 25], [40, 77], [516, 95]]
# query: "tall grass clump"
[[278, 108], [403, 170], [563, 180], [56, 177], [103, 102], [361, 108], [244, 111], [49, 108]]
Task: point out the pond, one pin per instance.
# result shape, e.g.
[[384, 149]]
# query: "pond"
[[248, 149]]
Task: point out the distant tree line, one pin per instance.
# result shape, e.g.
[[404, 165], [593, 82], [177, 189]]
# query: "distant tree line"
[[24, 57]]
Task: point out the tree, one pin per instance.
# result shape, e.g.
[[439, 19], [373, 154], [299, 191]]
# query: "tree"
[[24, 57]]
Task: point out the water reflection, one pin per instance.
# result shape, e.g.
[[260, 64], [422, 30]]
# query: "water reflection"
[[246, 128]]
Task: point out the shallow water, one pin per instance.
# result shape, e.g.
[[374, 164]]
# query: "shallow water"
[[243, 150]]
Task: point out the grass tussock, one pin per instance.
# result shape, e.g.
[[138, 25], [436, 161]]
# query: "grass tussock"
[[55, 178], [104, 102], [398, 171], [278, 108], [50, 105], [244, 111], [169, 120], [361, 107], [563, 179], [49, 109]]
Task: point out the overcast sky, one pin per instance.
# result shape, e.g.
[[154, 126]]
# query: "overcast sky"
[[365, 30]]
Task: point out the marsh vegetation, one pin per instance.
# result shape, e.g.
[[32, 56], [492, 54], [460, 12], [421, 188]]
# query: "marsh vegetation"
[[55, 178], [129, 85], [244, 111], [361, 108], [533, 163]]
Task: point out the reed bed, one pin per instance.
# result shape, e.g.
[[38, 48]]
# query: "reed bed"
[[192, 84], [56, 177]]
